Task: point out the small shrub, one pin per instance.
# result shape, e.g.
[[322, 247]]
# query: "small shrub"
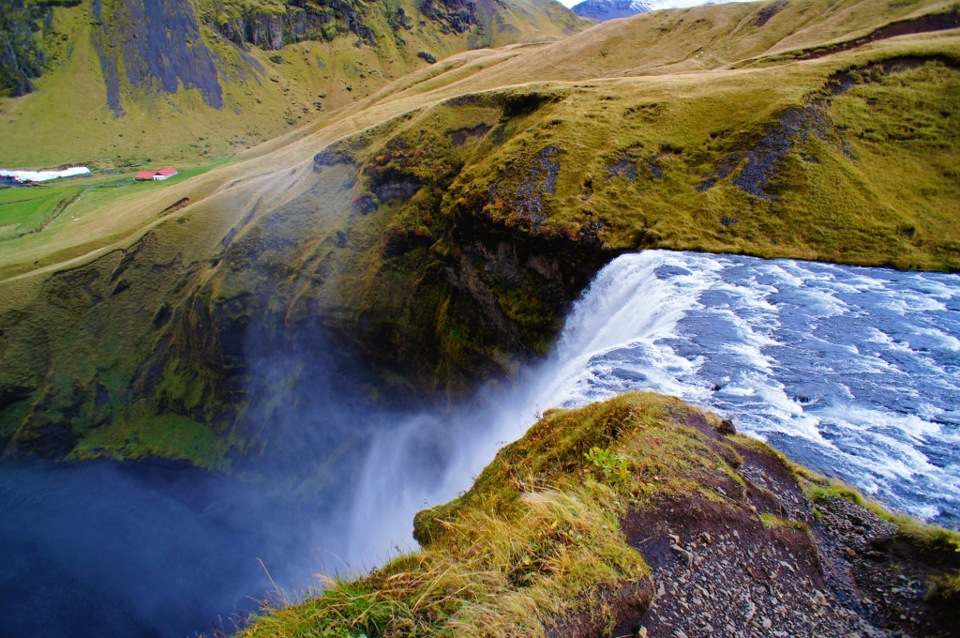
[[611, 465]]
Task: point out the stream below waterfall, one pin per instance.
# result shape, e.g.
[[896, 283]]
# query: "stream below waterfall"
[[854, 372]]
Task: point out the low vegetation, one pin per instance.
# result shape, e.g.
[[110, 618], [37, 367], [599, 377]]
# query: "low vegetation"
[[441, 229], [25, 211], [535, 543], [536, 547], [931, 539]]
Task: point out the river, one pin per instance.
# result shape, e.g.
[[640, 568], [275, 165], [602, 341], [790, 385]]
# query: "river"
[[854, 372]]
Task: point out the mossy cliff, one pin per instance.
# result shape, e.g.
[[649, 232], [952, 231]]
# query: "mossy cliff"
[[643, 514], [439, 235], [119, 81]]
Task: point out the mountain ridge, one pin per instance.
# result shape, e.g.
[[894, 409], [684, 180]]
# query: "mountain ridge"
[[613, 9]]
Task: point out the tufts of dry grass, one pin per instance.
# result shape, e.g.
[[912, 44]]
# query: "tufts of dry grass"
[[536, 541], [491, 576]]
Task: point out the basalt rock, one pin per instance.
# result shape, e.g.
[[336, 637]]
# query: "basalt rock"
[[159, 46]]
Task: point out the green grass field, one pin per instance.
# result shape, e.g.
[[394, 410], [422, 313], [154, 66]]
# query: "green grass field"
[[30, 210]]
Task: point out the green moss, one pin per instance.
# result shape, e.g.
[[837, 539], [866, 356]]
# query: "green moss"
[[169, 436]]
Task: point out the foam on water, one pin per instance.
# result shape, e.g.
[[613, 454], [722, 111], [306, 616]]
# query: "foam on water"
[[813, 358], [853, 371]]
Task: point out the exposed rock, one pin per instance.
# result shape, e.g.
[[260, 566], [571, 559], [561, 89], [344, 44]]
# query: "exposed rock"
[[768, 12], [761, 164], [271, 27], [460, 136], [453, 15], [949, 19], [727, 427], [766, 564], [159, 46], [528, 197], [21, 59], [756, 170]]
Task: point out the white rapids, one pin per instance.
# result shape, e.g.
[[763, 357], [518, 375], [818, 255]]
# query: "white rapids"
[[854, 372]]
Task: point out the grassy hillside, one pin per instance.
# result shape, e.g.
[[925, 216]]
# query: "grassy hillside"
[[103, 98], [565, 531], [440, 228]]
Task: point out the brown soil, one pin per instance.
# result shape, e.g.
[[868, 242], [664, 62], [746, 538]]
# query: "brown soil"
[[923, 24], [721, 568]]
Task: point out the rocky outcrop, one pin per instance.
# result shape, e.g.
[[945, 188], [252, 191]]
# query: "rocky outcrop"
[[638, 517], [931, 22], [756, 169], [453, 15], [272, 27], [783, 564], [21, 54], [154, 46]]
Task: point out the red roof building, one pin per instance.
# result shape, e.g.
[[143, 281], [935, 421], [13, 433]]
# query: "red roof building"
[[158, 176]]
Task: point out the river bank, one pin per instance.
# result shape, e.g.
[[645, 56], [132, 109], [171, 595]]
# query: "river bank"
[[791, 351]]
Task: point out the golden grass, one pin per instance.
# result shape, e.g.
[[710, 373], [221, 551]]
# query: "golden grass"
[[534, 541], [584, 57]]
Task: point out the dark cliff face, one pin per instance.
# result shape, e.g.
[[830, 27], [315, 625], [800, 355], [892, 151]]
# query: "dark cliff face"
[[298, 20], [325, 20], [156, 46], [22, 23], [455, 15], [459, 288], [383, 279]]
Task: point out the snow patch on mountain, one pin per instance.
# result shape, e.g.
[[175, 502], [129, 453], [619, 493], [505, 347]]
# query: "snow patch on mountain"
[[612, 9]]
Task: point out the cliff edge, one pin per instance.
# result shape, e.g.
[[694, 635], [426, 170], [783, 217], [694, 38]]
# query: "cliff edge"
[[643, 516]]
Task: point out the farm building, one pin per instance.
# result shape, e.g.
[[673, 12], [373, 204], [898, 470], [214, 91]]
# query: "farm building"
[[157, 176]]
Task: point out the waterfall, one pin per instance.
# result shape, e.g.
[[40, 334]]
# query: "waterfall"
[[854, 372]]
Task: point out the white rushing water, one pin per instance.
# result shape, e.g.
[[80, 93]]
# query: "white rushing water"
[[854, 372]]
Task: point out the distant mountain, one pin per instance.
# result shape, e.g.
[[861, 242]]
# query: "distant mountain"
[[613, 9], [610, 9]]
